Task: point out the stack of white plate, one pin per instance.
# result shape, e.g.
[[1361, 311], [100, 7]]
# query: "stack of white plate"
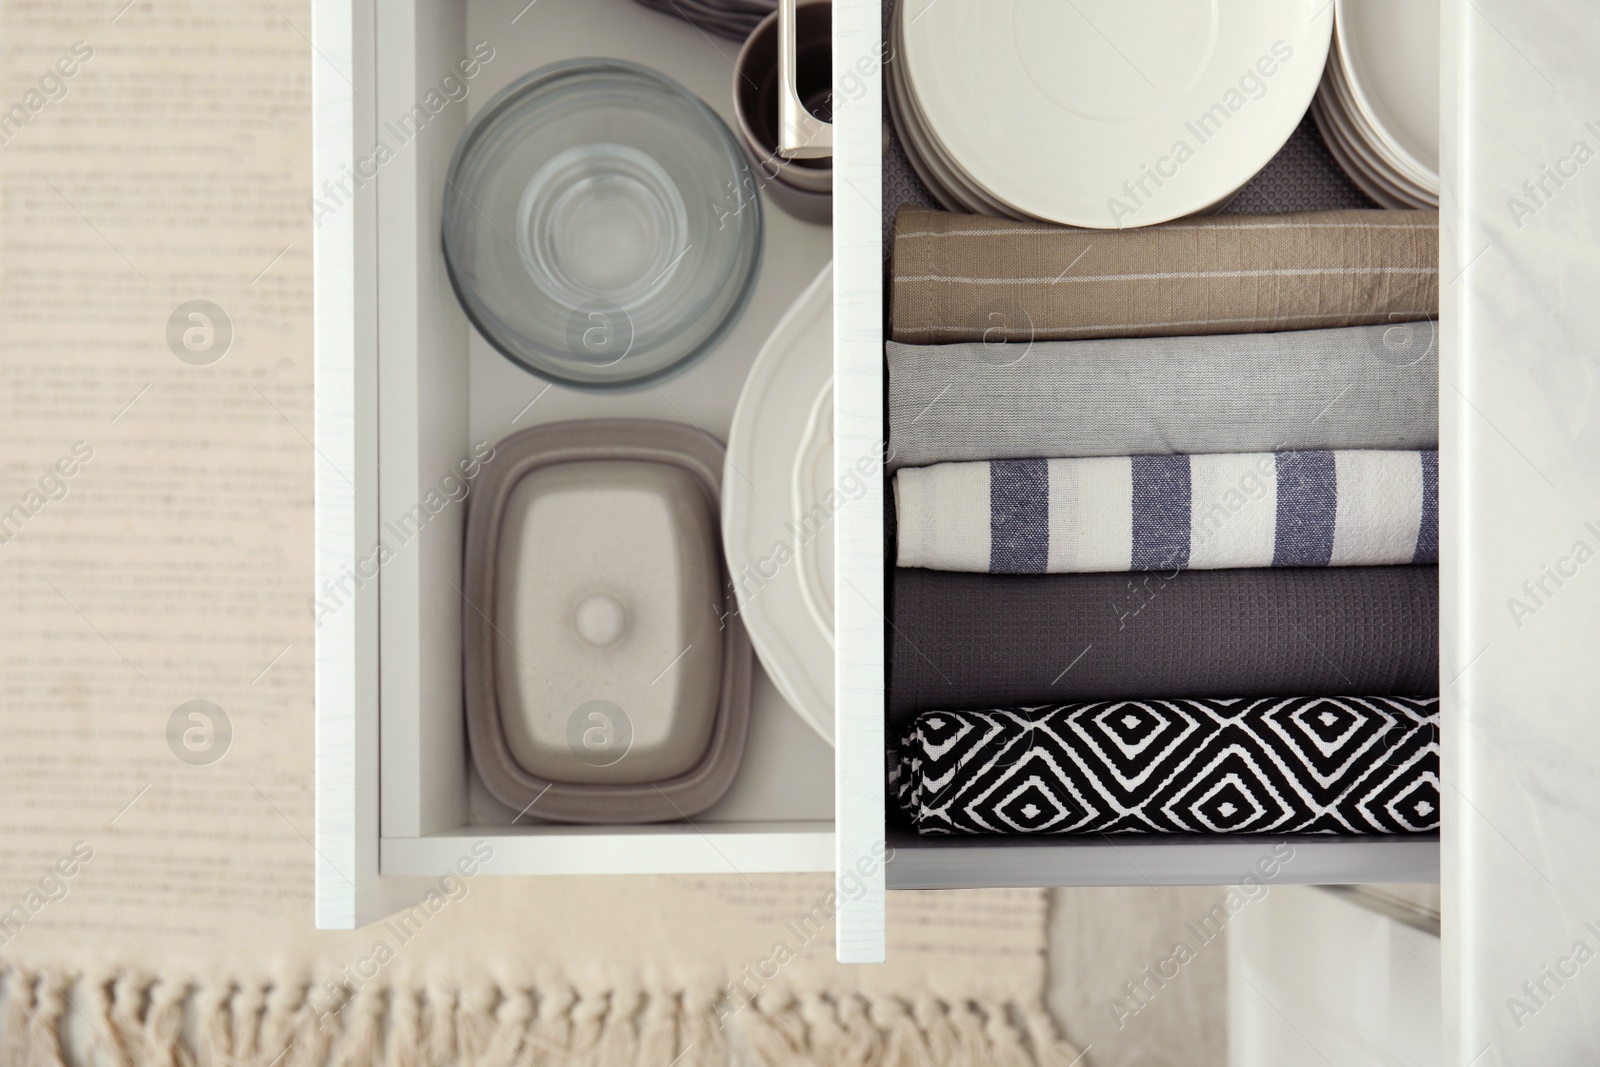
[[778, 504], [1378, 107], [1099, 113]]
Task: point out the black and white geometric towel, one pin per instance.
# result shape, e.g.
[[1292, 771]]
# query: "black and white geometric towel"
[[1314, 765]]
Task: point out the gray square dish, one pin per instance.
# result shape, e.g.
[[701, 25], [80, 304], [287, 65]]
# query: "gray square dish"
[[606, 672]]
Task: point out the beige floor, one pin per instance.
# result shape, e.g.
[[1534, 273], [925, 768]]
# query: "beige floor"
[[1103, 939]]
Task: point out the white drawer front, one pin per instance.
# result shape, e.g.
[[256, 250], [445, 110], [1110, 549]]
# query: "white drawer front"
[[858, 453]]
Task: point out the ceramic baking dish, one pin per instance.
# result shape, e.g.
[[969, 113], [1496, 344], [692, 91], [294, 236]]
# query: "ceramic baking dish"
[[606, 678]]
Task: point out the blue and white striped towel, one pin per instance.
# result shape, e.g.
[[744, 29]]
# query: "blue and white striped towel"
[[1161, 513]]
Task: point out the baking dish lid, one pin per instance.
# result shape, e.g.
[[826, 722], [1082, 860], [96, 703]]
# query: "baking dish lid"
[[669, 470]]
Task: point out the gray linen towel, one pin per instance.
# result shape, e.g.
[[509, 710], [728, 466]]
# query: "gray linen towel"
[[1355, 387], [992, 640]]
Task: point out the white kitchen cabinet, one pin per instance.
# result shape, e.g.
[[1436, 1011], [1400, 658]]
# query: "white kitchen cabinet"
[[405, 389]]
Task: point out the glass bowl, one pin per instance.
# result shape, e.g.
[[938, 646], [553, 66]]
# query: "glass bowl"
[[601, 226]]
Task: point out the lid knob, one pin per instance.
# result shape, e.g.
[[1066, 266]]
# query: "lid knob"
[[601, 620]]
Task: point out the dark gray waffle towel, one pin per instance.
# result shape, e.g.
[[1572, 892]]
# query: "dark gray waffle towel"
[[995, 640]]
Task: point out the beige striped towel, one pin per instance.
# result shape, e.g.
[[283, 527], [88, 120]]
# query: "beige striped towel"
[[974, 278]]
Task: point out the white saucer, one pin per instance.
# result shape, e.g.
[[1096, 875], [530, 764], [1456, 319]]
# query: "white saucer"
[[1074, 113], [943, 178], [1386, 159], [810, 485], [1389, 52], [1378, 106], [777, 527], [928, 170], [1357, 158]]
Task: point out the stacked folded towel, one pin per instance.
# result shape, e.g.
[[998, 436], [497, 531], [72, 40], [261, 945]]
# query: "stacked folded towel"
[[1078, 419], [1160, 513], [1358, 387], [1000, 640], [1282, 765], [977, 278]]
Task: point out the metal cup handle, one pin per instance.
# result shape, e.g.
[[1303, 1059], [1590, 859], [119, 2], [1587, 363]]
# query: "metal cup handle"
[[801, 135]]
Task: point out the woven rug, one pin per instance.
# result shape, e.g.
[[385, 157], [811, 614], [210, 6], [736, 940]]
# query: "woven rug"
[[155, 549]]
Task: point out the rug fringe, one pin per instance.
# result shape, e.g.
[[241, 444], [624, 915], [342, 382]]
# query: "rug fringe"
[[246, 1011], [134, 1020], [18, 991], [44, 1026]]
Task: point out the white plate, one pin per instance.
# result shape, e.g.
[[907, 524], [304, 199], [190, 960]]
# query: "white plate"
[[917, 154], [1355, 158], [777, 508], [943, 179], [1062, 110], [811, 484], [1357, 155], [1391, 161], [1343, 156], [1386, 160], [1391, 63]]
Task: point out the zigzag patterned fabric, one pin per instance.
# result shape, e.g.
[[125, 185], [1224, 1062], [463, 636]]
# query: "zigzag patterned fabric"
[[1307, 765]]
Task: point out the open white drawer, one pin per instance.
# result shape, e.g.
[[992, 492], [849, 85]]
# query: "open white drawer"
[[877, 852], [406, 391]]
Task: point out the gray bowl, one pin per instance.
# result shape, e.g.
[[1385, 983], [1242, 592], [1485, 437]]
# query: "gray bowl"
[[801, 187]]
